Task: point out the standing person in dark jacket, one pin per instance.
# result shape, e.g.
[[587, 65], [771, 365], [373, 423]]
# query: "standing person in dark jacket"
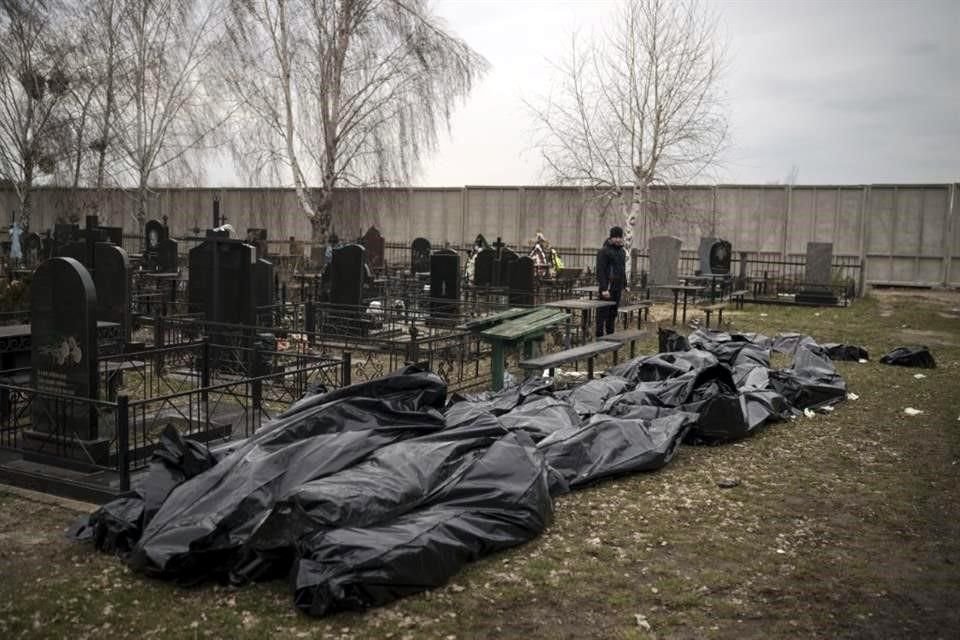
[[611, 278]]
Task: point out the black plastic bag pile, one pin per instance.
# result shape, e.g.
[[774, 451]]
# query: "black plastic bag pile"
[[382, 489]]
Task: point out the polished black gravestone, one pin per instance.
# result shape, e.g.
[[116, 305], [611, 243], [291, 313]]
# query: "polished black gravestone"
[[521, 282], [444, 283], [63, 358], [168, 256], [263, 292], [374, 244], [111, 277], [113, 235], [420, 256], [483, 266], [346, 277], [221, 281], [502, 272]]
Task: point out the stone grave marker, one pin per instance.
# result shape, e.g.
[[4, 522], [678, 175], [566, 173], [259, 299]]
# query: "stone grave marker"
[[374, 245], [63, 358], [263, 291], [483, 267], [522, 281], [718, 263], [221, 281], [113, 235], [503, 273], [664, 260], [111, 277], [346, 277], [818, 275], [420, 256], [153, 233], [703, 253], [168, 256], [444, 283]]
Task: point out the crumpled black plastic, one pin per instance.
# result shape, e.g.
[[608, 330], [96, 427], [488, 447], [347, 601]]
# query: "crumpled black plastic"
[[845, 352], [377, 490], [116, 527], [915, 356]]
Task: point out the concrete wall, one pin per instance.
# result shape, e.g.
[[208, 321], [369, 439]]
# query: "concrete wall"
[[906, 234]]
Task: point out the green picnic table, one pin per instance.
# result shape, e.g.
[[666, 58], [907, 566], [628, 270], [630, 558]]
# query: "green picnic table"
[[513, 328]]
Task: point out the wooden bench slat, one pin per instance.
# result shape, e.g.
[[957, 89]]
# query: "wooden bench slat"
[[626, 335], [525, 325], [486, 321], [552, 360]]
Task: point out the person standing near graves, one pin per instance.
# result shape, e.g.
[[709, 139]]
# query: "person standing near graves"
[[611, 279], [538, 254], [16, 252]]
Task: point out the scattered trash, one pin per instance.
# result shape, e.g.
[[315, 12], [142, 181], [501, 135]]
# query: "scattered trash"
[[810, 413], [846, 352], [852, 396], [763, 315], [642, 621], [919, 376], [863, 361], [828, 409], [910, 411], [728, 483]]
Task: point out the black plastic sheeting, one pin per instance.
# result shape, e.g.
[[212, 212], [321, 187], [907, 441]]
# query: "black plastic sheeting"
[[910, 357], [382, 489]]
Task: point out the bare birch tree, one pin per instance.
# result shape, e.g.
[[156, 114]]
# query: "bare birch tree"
[[639, 106], [163, 109], [34, 84], [342, 92]]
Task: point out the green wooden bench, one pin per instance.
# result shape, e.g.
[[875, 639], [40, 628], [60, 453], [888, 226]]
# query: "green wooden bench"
[[518, 330], [710, 308], [481, 323], [584, 352]]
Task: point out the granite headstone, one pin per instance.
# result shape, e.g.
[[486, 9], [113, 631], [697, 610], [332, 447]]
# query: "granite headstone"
[[502, 273], [719, 258], [111, 277], [420, 255], [664, 260], [483, 266], [374, 244], [521, 283], [64, 363], [444, 282]]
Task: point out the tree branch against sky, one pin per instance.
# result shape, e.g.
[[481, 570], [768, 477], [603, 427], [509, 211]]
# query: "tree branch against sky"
[[342, 92], [641, 105]]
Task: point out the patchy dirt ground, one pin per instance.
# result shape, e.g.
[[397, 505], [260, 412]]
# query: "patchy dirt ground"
[[846, 525]]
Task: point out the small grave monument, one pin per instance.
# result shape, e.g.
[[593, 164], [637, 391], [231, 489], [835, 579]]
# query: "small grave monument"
[[503, 271], [664, 260], [818, 275], [420, 256], [444, 283], [483, 266], [521, 284], [64, 364], [374, 245]]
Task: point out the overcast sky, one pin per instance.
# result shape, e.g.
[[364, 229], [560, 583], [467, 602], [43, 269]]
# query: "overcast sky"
[[849, 92]]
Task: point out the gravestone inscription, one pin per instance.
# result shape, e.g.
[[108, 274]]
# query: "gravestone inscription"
[[64, 363]]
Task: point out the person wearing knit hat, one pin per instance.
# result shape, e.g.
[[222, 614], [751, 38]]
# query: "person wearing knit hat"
[[611, 279]]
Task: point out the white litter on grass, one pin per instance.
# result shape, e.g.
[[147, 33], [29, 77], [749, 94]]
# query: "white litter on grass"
[[827, 409], [809, 413], [642, 621], [862, 361], [763, 315], [817, 314], [852, 396], [910, 411], [919, 376]]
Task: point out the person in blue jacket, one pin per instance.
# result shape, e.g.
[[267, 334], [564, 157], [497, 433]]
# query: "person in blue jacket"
[[611, 279]]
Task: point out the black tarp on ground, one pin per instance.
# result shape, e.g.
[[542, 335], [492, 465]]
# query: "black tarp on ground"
[[910, 357], [846, 352], [377, 490]]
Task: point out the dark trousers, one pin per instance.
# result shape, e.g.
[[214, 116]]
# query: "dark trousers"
[[607, 316]]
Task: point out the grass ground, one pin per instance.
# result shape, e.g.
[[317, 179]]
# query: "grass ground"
[[843, 525]]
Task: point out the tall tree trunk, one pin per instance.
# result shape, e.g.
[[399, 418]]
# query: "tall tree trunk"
[[25, 193]]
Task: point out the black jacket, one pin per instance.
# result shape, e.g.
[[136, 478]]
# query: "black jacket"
[[611, 267]]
